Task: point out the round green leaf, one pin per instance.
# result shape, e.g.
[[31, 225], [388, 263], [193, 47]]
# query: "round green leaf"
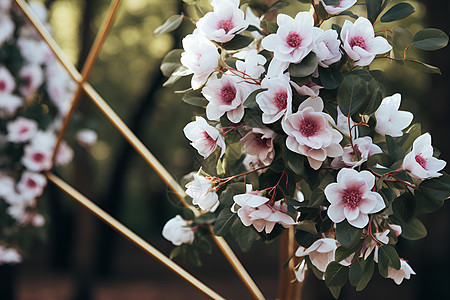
[[304, 68], [430, 39], [397, 12], [171, 24]]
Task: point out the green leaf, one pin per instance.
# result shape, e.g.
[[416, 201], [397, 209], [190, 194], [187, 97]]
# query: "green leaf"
[[413, 133], [308, 226], [332, 2], [238, 42], [375, 96], [425, 205], [373, 9], [355, 273], [368, 267], [250, 102], [349, 13], [342, 252], [401, 39], [304, 68], [387, 255], [224, 222], [422, 67], [348, 235], [254, 28], [305, 239], [404, 207], [171, 62], [351, 94], [192, 256], [272, 27], [388, 196], [336, 276], [171, 24], [294, 161], [195, 98], [397, 12], [329, 77], [436, 189], [430, 39], [413, 230], [207, 218], [245, 236]]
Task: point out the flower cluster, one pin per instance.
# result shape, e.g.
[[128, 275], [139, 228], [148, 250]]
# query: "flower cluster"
[[299, 115], [35, 95]]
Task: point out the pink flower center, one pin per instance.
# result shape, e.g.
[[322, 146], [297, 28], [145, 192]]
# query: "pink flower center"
[[308, 127], [226, 25], [23, 130], [352, 198], [421, 161], [227, 94], [294, 40], [358, 41], [38, 157], [27, 80], [281, 100], [208, 139], [31, 184], [2, 86]]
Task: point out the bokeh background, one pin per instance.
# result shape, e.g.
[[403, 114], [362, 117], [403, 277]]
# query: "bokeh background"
[[83, 259]]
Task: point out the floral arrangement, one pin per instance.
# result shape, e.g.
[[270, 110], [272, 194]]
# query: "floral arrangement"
[[35, 95], [297, 131]]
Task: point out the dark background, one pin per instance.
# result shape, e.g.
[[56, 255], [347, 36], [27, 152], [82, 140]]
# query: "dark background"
[[83, 259]]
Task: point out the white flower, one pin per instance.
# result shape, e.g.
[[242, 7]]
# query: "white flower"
[[9, 104], [7, 184], [356, 156], [5, 5], [321, 252], [225, 95], [203, 193], [224, 22], [33, 77], [351, 198], [310, 134], [253, 20], [277, 100], [342, 124], [178, 232], [7, 83], [31, 185], [86, 137], [360, 42], [294, 38], [253, 65], [201, 57], [38, 154], [34, 51], [420, 161], [64, 155], [390, 120], [259, 142], [300, 272], [308, 89], [255, 210], [398, 275], [7, 28], [343, 5], [60, 86], [9, 256], [326, 46], [21, 130], [204, 137], [371, 245]]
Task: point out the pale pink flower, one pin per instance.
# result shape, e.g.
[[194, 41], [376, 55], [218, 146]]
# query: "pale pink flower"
[[390, 120], [225, 95], [259, 142], [420, 161], [308, 89], [224, 22], [31, 185], [334, 10], [9, 104], [310, 134], [178, 231], [38, 154], [201, 57], [60, 86], [351, 198], [371, 245], [203, 193], [9, 256], [253, 64], [34, 51], [253, 20], [356, 156], [360, 42], [405, 272], [252, 162], [326, 46], [277, 100], [64, 155], [342, 124], [204, 137], [7, 185], [300, 271], [33, 77], [255, 210], [5, 5], [396, 228], [294, 38], [321, 252], [21, 130], [86, 137], [7, 82], [7, 28]]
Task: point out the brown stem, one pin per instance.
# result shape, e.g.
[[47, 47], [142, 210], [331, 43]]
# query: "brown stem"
[[317, 19]]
